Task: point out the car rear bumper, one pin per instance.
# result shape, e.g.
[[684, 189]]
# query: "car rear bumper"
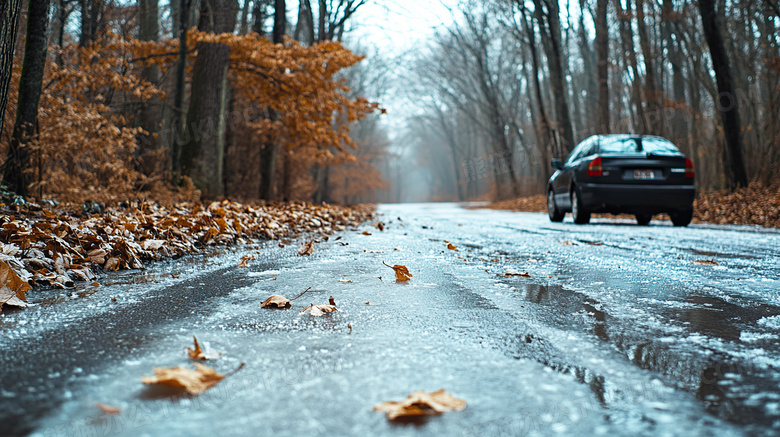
[[627, 198]]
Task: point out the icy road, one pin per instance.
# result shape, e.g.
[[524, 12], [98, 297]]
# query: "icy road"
[[617, 330]]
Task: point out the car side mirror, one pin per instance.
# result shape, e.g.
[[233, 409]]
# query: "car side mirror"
[[556, 163]]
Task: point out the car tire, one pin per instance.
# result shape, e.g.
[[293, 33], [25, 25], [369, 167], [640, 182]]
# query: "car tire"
[[681, 218], [643, 219], [578, 211], [552, 210]]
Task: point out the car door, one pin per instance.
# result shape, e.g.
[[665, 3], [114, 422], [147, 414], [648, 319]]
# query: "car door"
[[563, 181]]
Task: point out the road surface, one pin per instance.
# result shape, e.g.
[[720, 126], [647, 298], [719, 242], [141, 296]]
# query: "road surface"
[[617, 330]]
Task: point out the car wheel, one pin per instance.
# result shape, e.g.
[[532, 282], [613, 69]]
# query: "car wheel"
[[555, 214], [578, 211], [643, 219], [681, 218]]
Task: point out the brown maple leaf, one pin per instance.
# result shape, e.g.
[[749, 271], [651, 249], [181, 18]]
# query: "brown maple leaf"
[[276, 301], [182, 378], [306, 248], [421, 403], [319, 310], [12, 287], [401, 272], [451, 246]]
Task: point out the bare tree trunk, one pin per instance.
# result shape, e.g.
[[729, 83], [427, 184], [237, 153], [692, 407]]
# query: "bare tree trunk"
[[557, 78], [9, 25], [627, 41], [148, 30], [602, 53], [178, 95], [304, 29], [651, 87], [670, 23], [270, 150], [86, 23], [203, 156], [280, 19], [727, 99], [14, 176], [243, 27]]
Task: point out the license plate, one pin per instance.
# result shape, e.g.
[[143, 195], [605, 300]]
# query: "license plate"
[[644, 174]]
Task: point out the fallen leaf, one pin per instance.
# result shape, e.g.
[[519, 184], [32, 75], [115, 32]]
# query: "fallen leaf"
[[198, 353], [341, 243], [192, 381], [345, 280], [380, 226], [319, 310], [349, 325], [96, 284], [401, 272], [706, 262], [276, 301], [12, 287], [332, 301], [281, 245], [567, 243], [367, 303], [373, 251], [510, 272], [421, 403], [451, 246], [107, 409], [306, 248], [245, 259], [366, 233]]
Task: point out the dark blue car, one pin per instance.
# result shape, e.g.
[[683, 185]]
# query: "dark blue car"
[[635, 174]]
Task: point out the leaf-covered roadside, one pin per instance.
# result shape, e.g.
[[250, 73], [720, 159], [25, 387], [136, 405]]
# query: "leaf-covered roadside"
[[57, 248], [753, 205]]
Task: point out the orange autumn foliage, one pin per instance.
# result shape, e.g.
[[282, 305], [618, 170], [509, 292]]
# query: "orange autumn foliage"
[[88, 141]]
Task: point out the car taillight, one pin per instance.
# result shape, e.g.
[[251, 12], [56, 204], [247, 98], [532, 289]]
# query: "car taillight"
[[594, 169], [689, 172]]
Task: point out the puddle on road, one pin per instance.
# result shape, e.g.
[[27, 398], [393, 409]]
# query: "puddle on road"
[[715, 317], [723, 386]]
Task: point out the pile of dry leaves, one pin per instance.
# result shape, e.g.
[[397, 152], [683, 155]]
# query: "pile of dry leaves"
[[753, 205], [54, 247]]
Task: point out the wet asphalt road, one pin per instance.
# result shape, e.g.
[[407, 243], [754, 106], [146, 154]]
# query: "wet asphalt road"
[[617, 331]]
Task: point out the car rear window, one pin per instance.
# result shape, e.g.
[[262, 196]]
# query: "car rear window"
[[618, 145], [658, 145], [631, 145]]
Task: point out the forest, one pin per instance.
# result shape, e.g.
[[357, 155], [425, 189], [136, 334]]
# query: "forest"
[[511, 84], [274, 100], [106, 101]]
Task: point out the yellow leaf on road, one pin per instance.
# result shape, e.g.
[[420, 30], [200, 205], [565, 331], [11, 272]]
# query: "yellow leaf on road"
[[401, 272], [276, 301], [192, 381], [421, 403]]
